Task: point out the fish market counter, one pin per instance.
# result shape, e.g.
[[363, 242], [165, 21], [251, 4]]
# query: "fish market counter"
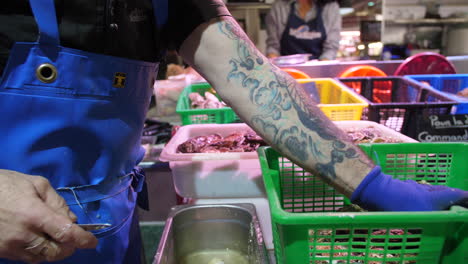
[[332, 69]]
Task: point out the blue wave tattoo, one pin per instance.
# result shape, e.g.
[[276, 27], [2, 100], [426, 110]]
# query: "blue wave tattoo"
[[277, 93]]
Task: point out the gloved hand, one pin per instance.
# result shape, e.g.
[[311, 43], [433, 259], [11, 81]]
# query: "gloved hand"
[[380, 192], [35, 223]]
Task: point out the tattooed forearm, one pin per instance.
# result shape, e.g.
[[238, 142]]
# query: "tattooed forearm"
[[276, 95]]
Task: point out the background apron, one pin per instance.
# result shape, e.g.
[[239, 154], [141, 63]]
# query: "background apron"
[[306, 37], [76, 118]]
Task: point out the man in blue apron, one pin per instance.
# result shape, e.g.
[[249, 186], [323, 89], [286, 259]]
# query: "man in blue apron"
[[75, 117]]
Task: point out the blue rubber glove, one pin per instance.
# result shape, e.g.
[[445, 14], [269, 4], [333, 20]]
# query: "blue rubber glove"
[[380, 192]]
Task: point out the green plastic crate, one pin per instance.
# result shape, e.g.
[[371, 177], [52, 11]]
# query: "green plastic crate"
[[189, 116], [308, 229]]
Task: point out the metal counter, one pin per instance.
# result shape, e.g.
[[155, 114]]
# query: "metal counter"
[[322, 69], [460, 63]]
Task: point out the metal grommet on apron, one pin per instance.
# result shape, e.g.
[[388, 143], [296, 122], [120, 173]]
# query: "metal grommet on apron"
[[46, 73], [76, 118]]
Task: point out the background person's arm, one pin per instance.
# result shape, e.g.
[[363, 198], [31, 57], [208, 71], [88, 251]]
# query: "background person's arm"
[[332, 22], [275, 22], [273, 104]]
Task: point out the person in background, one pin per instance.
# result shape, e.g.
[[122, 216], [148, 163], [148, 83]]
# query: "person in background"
[[76, 84], [303, 26]]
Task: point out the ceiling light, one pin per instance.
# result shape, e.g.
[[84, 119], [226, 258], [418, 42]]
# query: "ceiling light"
[[345, 7], [346, 10]]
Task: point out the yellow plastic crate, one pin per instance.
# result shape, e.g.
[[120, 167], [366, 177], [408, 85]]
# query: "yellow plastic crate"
[[337, 101]]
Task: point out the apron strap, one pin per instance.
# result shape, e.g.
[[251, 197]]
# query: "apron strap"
[[161, 12], [89, 193], [140, 186], [46, 19]]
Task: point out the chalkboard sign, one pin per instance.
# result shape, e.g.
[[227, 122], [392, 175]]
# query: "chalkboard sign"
[[443, 128]]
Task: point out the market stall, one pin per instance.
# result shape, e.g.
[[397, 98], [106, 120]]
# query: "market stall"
[[382, 114], [234, 199]]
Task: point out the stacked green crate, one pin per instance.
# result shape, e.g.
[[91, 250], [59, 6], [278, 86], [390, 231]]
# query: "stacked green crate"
[[202, 116]]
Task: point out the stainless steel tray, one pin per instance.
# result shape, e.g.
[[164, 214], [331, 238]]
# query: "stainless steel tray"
[[212, 234]]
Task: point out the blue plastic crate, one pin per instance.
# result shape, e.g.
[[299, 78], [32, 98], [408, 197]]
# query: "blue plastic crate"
[[448, 83]]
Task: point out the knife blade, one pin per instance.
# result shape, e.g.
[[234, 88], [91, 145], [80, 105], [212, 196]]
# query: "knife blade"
[[93, 227]]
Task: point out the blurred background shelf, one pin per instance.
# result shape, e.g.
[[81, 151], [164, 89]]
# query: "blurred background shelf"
[[427, 21]]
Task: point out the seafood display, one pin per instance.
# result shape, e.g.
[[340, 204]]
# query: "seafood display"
[[215, 143], [208, 101], [378, 237], [248, 142], [370, 135]]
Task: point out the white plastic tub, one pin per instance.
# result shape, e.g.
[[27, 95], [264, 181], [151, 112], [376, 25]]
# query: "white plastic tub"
[[447, 11], [395, 12], [213, 175], [232, 174]]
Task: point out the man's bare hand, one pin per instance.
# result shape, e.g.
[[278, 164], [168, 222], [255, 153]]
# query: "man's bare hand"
[[35, 222]]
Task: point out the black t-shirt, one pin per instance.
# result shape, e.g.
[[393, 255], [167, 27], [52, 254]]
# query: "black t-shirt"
[[122, 28]]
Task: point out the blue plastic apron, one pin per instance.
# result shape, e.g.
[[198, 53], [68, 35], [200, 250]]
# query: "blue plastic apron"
[[300, 37], [76, 118]]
